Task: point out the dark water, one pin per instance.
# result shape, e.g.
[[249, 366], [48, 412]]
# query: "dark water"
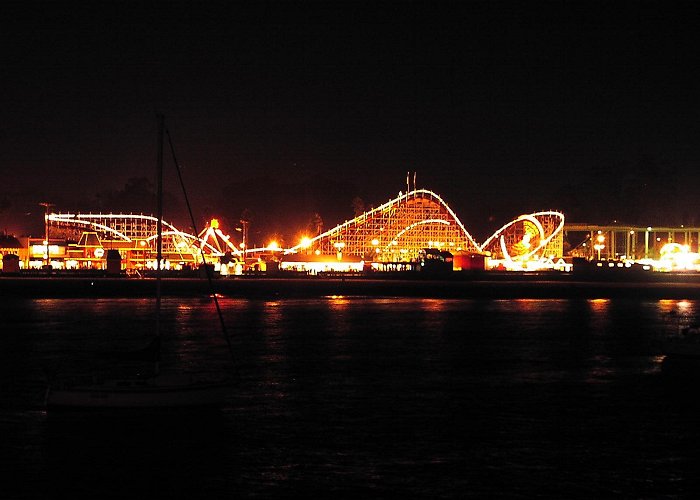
[[361, 398]]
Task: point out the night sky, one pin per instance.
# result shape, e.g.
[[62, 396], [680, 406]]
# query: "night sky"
[[295, 108]]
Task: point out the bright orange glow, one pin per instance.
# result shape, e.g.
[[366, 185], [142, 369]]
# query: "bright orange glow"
[[600, 238], [305, 242], [273, 245], [599, 305]]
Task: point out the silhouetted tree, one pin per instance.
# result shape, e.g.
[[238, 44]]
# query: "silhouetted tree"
[[358, 206], [317, 223]]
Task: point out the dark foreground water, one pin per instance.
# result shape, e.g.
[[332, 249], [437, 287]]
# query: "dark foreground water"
[[360, 398]]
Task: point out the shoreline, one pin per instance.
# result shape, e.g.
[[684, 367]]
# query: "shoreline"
[[471, 287]]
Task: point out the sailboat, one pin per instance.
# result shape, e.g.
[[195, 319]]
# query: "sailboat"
[[155, 390]]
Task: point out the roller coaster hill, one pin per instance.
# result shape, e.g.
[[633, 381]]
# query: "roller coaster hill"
[[413, 231]]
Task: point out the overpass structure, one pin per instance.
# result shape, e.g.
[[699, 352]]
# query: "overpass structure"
[[627, 242]]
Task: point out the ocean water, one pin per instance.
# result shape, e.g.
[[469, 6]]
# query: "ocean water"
[[359, 397]]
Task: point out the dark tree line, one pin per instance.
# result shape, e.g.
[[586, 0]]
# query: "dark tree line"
[[138, 196]]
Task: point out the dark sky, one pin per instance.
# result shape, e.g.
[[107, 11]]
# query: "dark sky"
[[501, 107]]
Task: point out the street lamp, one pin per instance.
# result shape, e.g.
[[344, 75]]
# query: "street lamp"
[[47, 257], [339, 245], [600, 244]]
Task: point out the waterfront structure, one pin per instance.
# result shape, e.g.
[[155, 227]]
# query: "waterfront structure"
[[400, 229], [394, 232], [134, 236], [315, 264], [529, 241], [660, 247], [391, 236], [9, 253]]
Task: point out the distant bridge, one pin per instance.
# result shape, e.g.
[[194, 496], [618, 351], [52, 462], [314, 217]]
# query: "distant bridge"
[[632, 242]]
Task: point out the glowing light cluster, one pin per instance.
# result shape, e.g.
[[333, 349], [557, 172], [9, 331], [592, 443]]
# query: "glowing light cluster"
[[215, 238], [677, 257]]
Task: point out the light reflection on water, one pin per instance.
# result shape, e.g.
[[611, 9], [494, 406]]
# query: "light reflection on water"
[[366, 397]]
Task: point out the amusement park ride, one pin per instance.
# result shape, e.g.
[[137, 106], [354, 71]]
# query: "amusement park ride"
[[395, 232], [399, 229]]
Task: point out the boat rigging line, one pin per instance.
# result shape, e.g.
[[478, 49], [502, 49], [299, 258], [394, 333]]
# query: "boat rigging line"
[[201, 249]]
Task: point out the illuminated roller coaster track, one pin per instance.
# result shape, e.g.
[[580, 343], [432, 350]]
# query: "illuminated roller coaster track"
[[142, 230], [528, 237], [398, 229], [395, 231]]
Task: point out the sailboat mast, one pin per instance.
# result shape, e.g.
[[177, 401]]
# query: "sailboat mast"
[[159, 240]]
